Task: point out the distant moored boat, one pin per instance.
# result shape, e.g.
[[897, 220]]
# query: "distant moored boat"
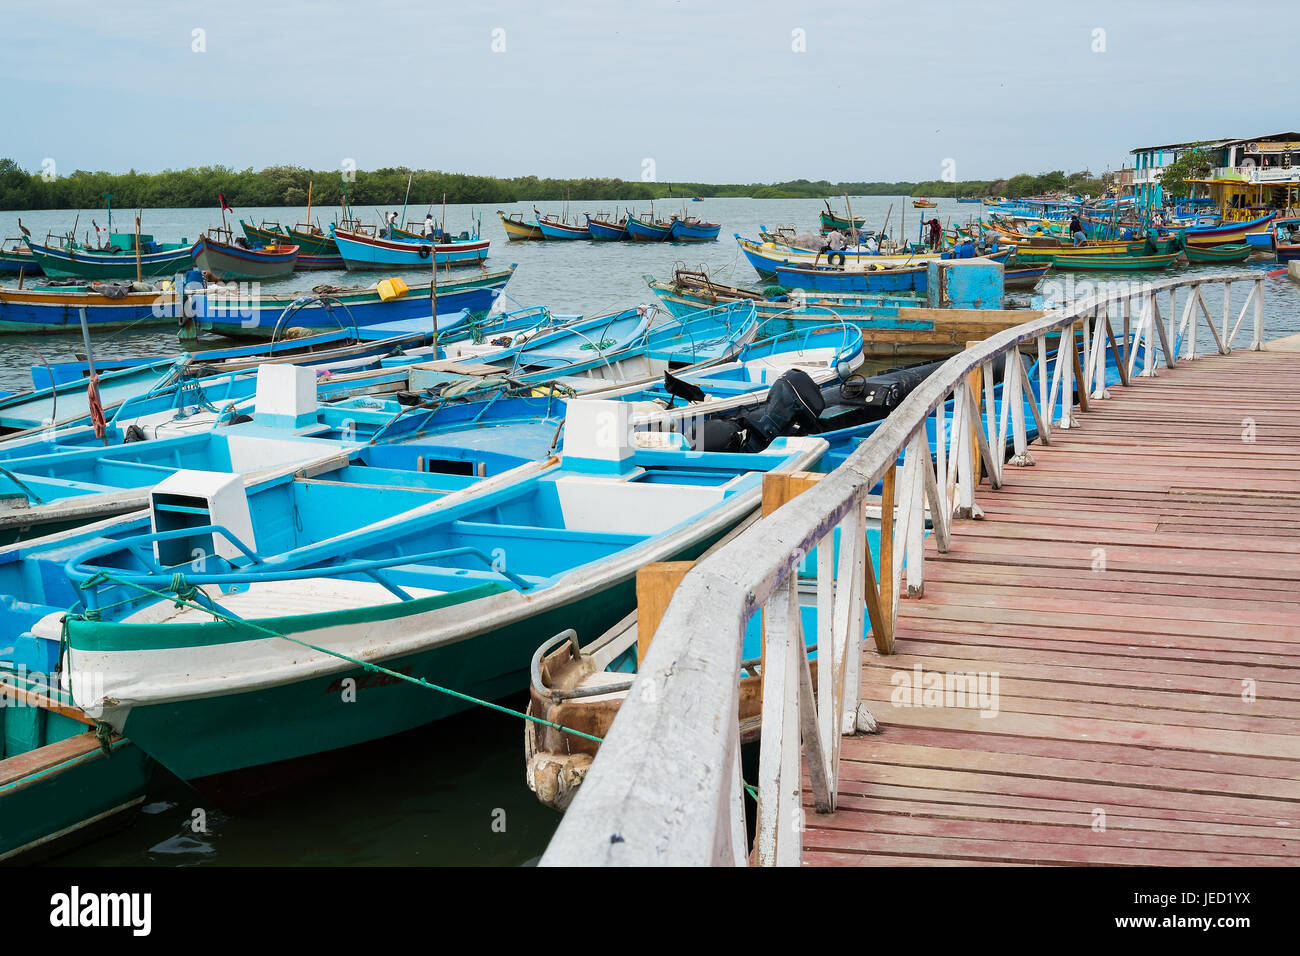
[[228, 260], [648, 230], [517, 230], [119, 261], [361, 251], [693, 230], [607, 230], [555, 228]]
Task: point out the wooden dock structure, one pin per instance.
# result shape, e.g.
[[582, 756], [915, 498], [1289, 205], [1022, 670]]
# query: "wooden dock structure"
[[1137, 592], [1081, 605]]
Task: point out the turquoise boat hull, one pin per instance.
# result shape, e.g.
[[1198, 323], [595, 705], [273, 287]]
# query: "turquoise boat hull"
[[475, 293], [88, 264], [58, 784], [365, 253], [683, 231], [639, 230], [606, 232]]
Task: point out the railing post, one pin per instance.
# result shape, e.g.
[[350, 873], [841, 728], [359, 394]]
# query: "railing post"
[[1044, 404], [1227, 318], [918, 456], [1013, 392], [963, 452], [779, 837], [1257, 340], [1146, 333], [1065, 358]]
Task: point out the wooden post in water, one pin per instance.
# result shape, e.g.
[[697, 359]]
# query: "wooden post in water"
[[137, 258]]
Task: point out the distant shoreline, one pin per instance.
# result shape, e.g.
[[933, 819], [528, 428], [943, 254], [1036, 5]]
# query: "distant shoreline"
[[287, 186]]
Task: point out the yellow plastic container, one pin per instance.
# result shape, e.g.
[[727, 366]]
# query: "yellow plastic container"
[[390, 289]]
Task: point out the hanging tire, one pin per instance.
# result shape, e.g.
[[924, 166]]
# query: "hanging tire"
[[835, 258], [424, 251]]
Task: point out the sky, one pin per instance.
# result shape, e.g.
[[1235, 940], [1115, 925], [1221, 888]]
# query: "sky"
[[676, 90]]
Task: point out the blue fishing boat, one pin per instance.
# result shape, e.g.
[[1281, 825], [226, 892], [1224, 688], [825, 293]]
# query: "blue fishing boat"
[[607, 229], [555, 228], [61, 780], [362, 252], [16, 258], [239, 313], [619, 346], [693, 230], [767, 257], [121, 260], [690, 291], [883, 278], [339, 343], [109, 306], [226, 260], [648, 229], [521, 419], [228, 670]]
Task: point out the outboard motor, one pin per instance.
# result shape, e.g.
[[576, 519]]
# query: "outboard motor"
[[793, 405]]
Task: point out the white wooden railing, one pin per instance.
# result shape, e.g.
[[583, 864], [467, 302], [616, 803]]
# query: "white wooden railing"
[[666, 786]]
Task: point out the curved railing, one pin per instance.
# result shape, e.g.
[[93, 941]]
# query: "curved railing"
[[666, 786]]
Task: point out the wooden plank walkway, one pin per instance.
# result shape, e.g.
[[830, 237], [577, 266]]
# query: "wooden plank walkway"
[[1137, 594]]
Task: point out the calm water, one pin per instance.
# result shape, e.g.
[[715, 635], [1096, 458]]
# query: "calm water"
[[453, 793]]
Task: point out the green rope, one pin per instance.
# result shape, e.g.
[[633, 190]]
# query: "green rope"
[[180, 600]]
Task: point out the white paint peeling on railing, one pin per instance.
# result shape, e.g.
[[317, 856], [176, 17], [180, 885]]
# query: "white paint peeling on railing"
[[665, 787]]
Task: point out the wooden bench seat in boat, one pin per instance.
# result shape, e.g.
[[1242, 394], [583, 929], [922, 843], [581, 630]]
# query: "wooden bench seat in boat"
[[20, 766]]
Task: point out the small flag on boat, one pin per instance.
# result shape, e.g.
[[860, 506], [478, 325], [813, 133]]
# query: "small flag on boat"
[[225, 206]]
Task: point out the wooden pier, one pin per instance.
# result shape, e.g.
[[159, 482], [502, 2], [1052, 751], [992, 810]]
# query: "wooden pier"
[[1083, 650], [1137, 594]]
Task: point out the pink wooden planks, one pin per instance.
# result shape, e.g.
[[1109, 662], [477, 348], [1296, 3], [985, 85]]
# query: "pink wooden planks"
[[1147, 713]]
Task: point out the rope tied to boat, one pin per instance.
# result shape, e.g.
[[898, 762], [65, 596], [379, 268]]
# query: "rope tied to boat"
[[184, 599]]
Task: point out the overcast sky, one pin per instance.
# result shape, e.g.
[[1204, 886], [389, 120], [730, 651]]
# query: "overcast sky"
[[743, 91]]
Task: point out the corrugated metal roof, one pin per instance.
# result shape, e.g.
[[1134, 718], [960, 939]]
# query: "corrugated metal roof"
[[1219, 143]]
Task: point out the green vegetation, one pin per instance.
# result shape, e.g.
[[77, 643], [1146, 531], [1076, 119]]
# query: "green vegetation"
[[1193, 163], [287, 186]]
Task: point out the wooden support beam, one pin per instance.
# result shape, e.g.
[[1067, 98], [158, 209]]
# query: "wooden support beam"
[[655, 585]]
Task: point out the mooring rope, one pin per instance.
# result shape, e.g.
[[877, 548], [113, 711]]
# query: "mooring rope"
[[182, 588]]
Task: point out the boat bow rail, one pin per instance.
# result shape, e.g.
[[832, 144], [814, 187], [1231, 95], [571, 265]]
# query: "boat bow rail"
[[666, 786], [91, 578]]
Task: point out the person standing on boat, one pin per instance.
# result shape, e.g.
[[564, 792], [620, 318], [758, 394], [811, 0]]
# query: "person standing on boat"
[[1076, 231], [428, 229], [391, 221], [835, 241], [936, 233]]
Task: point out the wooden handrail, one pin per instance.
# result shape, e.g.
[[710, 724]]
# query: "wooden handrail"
[[666, 785]]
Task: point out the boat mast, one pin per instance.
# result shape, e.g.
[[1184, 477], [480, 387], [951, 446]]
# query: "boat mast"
[[407, 199]]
